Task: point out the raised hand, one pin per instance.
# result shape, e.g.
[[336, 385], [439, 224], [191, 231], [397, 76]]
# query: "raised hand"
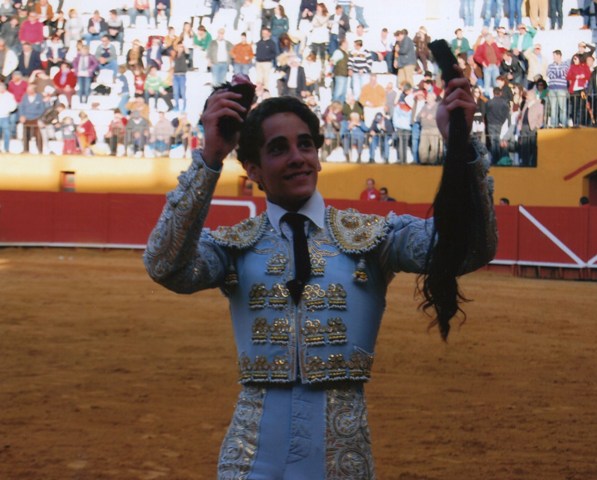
[[221, 103], [457, 95]]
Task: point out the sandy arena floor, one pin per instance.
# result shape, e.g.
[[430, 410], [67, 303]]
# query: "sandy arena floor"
[[106, 375]]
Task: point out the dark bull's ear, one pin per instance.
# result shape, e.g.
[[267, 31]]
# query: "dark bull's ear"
[[453, 213], [242, 85]]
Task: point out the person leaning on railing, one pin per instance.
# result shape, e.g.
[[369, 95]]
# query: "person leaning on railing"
[[578, 78]]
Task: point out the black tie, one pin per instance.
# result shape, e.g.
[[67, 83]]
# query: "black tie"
[[302, 262]]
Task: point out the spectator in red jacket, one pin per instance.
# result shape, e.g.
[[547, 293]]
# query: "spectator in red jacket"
[[370, 193], [32, 31], [116, 132], [86, 135], [578, 77], [17, 86], [65, 82], [489, 54]]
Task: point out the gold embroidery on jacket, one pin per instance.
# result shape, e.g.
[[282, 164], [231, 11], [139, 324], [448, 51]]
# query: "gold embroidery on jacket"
[[242, 235], [262, 370], [278, 333], [258, 296], [357, 367], [313, 333], [278, 296], [277, 264], [314, 297], [356, 232], [336, 367], [316, 334], [317, 263], [336, 296], [260, 330], [336, 331]]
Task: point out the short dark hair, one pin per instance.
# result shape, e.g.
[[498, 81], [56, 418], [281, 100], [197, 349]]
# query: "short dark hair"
[[251, 135]]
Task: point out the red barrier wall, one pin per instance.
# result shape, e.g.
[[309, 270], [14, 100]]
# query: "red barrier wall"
[[530, 238]]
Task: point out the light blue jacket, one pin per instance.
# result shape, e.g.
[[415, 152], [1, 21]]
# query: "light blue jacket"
[[330, 335]]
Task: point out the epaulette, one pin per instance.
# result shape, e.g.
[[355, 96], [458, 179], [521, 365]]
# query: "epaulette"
[[355, 232], [242, 235]]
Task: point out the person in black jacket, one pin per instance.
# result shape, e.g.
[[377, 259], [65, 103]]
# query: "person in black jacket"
[[266, 52], [339, 27], [504, 86], [380, 134], [29, 60], [512, 68], [404, 58], [96, 27], [497, 112]]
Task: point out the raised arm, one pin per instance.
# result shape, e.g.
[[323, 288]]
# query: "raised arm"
[[179, 255], [407, 246], [483, 236], [464, 223]]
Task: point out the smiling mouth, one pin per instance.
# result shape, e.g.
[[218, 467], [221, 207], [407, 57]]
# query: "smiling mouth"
[[292, 176]]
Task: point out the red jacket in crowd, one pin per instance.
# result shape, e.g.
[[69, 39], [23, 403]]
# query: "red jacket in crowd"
[[31, 32], [481, 53], [69, 79], [578, 77]]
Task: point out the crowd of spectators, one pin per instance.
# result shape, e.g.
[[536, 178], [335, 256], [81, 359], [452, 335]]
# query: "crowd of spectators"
[[56, 69], [376, 92]]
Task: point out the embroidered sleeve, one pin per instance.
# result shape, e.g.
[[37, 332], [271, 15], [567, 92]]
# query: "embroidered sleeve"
[[407, 245], [181, 255]]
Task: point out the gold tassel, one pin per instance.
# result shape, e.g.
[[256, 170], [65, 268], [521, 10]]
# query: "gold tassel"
[[231, 279], [360, 274]]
